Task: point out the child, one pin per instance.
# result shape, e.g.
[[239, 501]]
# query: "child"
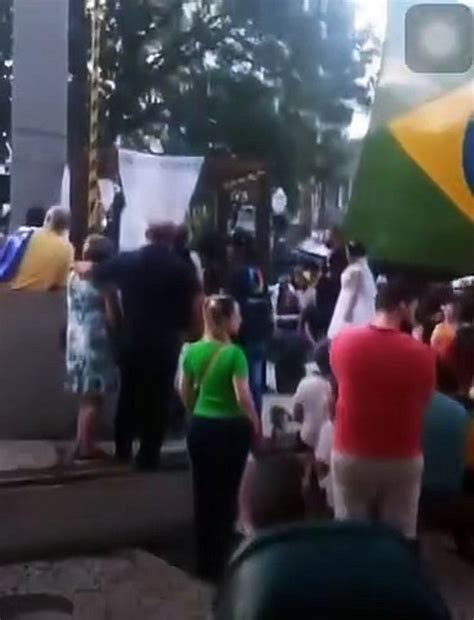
[[310, 402], [322, 453]]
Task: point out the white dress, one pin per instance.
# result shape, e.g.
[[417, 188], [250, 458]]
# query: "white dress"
[[364, 308]]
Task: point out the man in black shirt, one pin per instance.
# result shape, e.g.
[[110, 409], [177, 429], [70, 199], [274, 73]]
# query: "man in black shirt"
[[158, 290]]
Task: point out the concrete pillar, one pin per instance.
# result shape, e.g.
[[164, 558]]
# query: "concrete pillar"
[[39, 106]]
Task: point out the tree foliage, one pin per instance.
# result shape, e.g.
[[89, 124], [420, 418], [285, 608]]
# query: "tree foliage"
[[260, 79], [276, 80]]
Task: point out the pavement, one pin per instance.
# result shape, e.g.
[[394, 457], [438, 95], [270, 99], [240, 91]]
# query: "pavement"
[[127, 584], [145, 582], [22, 460], [120, 543]]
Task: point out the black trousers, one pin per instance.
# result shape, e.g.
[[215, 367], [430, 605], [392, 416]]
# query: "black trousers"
[[218, 450], [145, 401]]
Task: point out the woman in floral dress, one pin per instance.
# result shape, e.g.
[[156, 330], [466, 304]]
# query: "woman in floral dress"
[[91, 369]]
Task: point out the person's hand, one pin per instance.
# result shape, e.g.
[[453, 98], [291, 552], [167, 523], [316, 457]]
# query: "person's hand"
[[83, 268]]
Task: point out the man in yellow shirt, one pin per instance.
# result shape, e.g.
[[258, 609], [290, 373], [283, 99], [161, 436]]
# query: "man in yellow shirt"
[[49, 256]]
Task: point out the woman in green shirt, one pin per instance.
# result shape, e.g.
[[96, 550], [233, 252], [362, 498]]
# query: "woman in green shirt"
[[215, 389]]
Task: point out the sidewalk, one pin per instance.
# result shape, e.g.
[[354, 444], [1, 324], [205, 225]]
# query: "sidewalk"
[[21, 461], [128, 584]]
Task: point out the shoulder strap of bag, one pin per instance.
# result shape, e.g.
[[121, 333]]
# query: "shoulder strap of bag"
[[208, 365]]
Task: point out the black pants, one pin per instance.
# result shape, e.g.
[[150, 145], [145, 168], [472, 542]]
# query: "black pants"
[[218, 450], [145, 400]]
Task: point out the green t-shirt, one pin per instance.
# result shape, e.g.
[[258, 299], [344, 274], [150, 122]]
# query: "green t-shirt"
[[216, 397]]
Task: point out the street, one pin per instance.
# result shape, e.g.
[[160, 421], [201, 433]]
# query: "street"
[[153, 515]]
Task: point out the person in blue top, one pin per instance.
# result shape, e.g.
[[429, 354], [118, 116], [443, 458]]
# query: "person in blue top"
[[444, 442], [247, 285]]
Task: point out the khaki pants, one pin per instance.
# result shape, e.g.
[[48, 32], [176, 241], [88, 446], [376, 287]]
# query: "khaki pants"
[[385, 490]]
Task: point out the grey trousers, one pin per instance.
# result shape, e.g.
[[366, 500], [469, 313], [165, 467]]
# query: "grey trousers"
[[378, 489]]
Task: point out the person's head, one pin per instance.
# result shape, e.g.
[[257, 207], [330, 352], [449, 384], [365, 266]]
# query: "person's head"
[[315, 275], [97, 249], [398, 299], [355, 251], [58, 220], [222, 318], [35, 216], [163, 233], [276, 492], [450, 308], [299, 278]]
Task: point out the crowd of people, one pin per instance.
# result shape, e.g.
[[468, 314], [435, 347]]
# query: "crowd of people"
[[383, 414]]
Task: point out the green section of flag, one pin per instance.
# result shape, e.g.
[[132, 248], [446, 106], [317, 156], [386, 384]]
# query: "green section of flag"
[[402, 216]]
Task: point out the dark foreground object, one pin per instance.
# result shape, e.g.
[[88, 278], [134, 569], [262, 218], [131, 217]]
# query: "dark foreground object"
[[328, 571], [35, 605]]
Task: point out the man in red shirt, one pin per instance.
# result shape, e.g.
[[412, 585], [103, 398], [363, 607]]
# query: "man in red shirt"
[[385, 380]]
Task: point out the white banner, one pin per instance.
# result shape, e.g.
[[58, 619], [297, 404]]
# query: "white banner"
[[157, 189]]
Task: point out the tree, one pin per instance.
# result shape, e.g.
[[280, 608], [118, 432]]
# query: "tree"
[[272, 79]]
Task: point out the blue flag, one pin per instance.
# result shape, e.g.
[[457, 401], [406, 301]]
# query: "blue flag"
[[13, 252]]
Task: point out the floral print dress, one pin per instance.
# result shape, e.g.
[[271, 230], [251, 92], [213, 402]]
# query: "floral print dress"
[[90, 363]]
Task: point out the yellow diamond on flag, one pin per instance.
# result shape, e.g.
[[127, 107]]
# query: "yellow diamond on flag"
[[433, 135]]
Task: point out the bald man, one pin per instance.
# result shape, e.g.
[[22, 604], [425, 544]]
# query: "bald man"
[[158, 292]]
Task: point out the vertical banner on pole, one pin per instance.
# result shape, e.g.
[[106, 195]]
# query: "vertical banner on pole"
[[96, 10]]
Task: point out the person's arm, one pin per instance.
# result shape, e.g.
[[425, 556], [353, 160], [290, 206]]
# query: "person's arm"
[[186, 391], [246, 404], [304, 326], [108, 273], [298, 407], [243, 393], [186, 386], [356, 285]]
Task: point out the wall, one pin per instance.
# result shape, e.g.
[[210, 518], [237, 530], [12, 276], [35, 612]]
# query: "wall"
[[39, 105]]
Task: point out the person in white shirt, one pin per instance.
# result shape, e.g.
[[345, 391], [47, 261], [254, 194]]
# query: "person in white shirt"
[[322, 453], [312, 400], [356, 302], [322, 456]]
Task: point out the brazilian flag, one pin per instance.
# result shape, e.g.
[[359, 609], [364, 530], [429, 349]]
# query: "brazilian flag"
[[413, 196]]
